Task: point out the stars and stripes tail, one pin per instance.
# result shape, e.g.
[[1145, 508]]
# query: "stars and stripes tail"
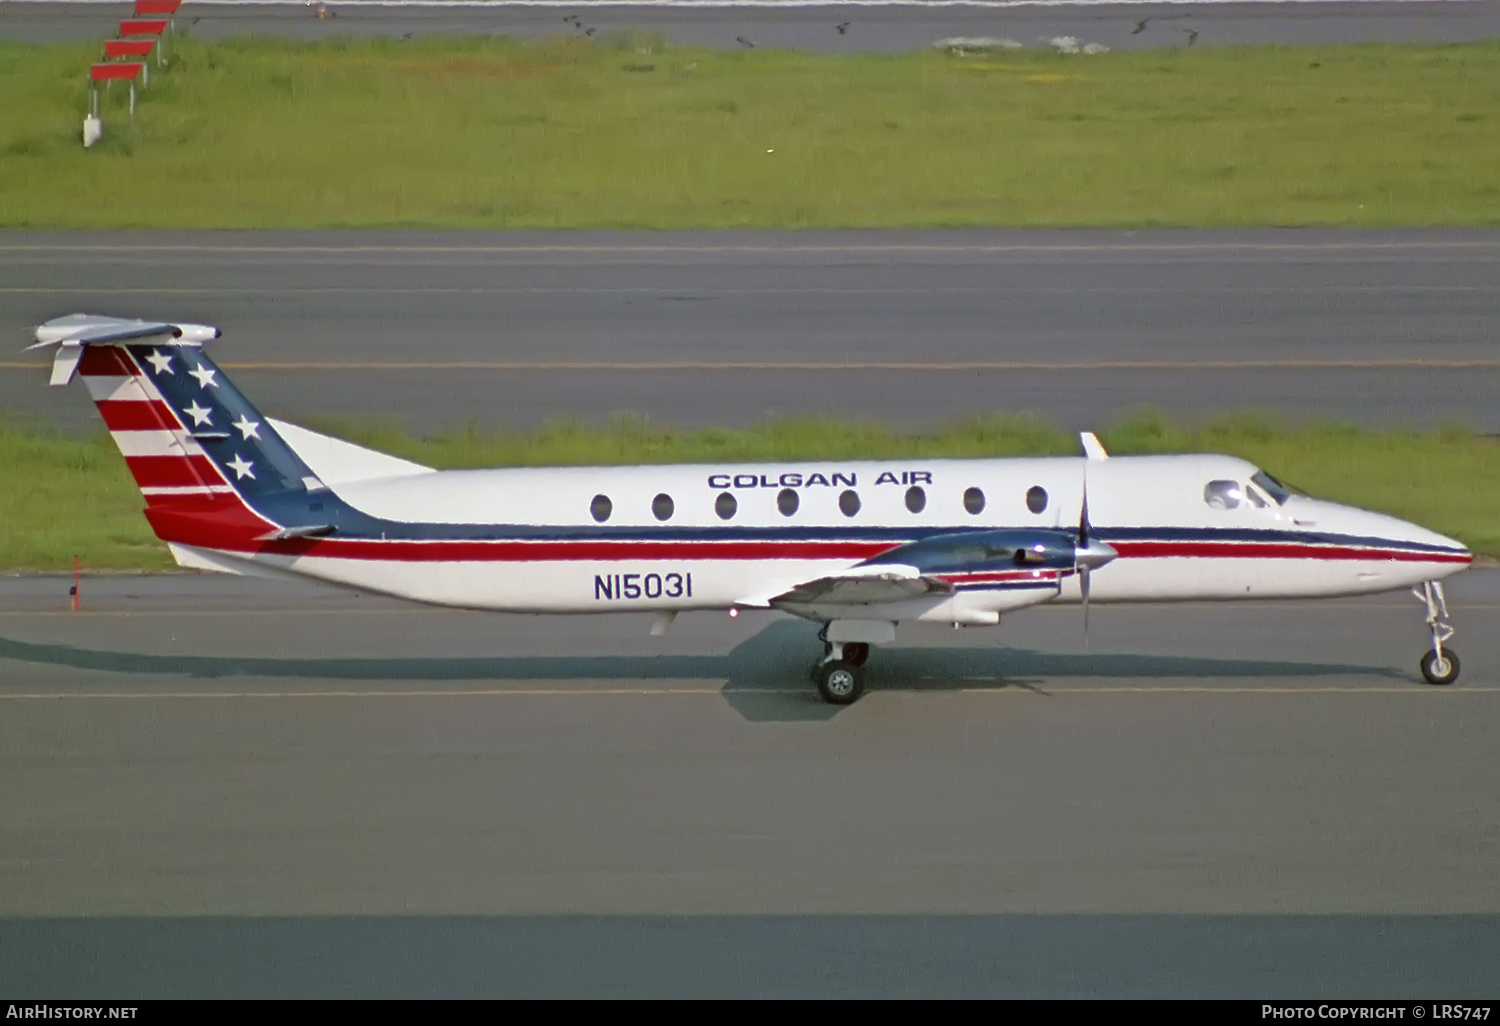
[[205, 459], [167, 462]]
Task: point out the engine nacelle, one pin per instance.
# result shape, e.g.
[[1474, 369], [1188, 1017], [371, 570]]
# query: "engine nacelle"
[[985, 550]]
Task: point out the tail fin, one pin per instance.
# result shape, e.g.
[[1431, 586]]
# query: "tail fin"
[[214, 472]]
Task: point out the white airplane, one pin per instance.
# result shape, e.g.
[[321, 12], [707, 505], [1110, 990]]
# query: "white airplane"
[[857, 546]]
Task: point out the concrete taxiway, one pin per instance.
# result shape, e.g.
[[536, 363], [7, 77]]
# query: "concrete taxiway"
[[217, 786], [437, 329]]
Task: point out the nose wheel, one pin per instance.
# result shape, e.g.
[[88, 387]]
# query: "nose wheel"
[[1440, 665], [1440, 668]]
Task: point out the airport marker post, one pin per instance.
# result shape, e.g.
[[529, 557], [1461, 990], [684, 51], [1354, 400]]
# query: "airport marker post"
[[157, 8], [147, 27], [115, 48], [107, 73]]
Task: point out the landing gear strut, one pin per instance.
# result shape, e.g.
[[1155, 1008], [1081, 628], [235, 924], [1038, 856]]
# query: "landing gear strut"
[[1439, 666], [838, 675]]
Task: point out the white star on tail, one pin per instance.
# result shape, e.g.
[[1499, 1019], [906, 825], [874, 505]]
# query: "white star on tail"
[[199, 414], [161, 361], [205, 377], [247, 427], [241, 469]]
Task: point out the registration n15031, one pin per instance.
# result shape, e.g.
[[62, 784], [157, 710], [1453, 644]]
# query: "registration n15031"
[[613, 587]]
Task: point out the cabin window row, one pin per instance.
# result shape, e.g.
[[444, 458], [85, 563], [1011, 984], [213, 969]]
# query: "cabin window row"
[[788, 502]]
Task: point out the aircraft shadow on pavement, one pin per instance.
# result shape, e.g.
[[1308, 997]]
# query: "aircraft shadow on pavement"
[[766, 677]]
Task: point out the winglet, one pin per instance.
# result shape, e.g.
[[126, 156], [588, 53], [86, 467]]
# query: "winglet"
[[1091, 447]]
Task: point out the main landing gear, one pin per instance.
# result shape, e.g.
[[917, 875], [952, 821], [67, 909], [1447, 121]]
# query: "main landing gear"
[[1439, 666], [839, 675]]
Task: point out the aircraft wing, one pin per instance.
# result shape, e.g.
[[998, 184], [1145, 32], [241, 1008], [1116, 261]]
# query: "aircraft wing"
[[864, 585]]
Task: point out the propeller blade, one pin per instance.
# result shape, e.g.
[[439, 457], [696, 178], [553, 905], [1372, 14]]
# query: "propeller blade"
[[1083, 543], [1083, 516], [1083, 583]]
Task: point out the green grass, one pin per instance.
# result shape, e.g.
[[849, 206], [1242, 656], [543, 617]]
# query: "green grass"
[[478, 133], [61, 497]]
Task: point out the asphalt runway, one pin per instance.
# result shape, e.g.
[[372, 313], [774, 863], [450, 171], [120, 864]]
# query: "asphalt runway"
[[868, 28], [439, 329], [224, 787]]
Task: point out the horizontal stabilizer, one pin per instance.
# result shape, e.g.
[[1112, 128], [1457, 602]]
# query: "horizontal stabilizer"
[[71, 333], [337, 462], [91, 329]]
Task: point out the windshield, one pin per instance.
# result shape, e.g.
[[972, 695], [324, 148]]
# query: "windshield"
[[1272, 487]]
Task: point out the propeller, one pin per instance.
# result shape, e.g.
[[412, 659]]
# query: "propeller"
[[1089, 553], [1083, 544]]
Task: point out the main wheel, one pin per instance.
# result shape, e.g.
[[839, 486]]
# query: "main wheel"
[[839, 683], [1440, 671]]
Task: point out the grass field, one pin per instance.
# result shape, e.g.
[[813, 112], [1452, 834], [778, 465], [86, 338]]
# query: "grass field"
[[627, 132], [61, 497]]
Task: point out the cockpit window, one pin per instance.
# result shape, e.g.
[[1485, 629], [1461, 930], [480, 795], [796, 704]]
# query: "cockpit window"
[[1223, 494], [1272, 487]]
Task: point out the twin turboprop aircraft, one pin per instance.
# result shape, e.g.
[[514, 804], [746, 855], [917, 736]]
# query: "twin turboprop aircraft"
[[857, 546]]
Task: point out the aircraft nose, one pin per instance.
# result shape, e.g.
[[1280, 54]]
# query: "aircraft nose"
[[1444, 555], [1422, 536], [1461, 551], [1095, 554]]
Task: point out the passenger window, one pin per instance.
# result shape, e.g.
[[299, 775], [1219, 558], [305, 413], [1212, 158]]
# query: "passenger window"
[[661, 507], [849, 503], [725, 505], [1222, 494], [1036, 498], [601, 508], [786, 501], [916, 499], [974, 501]]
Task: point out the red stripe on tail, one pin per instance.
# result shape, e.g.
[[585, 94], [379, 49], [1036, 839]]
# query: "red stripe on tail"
[[173, 471], [220, 522], [137, 415], [106, 362]]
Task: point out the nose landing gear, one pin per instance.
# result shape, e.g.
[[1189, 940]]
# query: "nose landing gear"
[[1439, 666]]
